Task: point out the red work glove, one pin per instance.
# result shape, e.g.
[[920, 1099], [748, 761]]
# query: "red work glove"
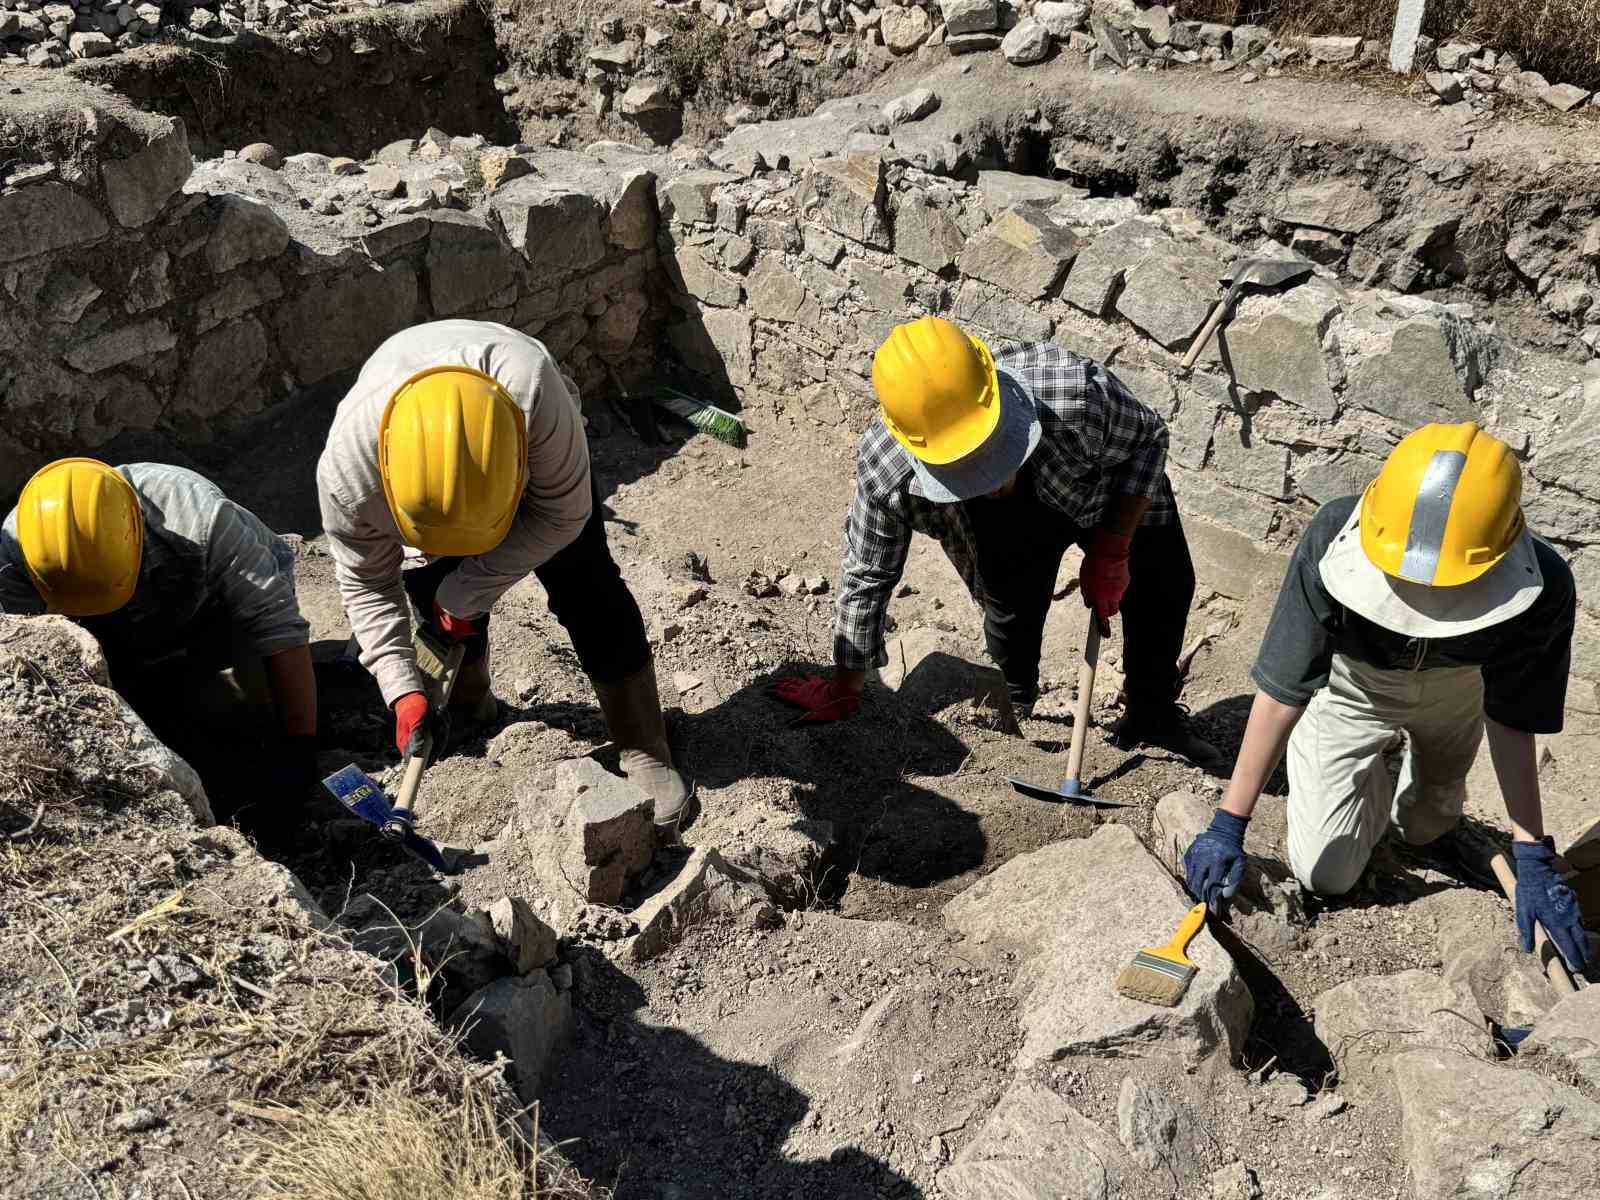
[[1103, 578], [822, 699], [457, 629], [410, 722]]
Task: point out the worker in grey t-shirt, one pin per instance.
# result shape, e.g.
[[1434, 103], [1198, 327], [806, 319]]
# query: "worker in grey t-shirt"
[[1423, 608], [157, 563]]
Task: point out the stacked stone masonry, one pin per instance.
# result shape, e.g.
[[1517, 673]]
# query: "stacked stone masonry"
[[142, 293], [789, 267]]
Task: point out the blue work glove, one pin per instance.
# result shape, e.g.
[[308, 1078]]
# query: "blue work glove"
[[1543, 897], [1213, 865]]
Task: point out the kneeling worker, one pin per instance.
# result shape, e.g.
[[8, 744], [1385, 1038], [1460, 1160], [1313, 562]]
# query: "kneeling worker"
[[457, 466], [156, 562], [1007, 460], [1423, 607]]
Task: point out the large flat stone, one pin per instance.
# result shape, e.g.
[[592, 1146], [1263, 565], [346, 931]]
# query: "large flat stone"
[[999, 316], [1071, 936], [1274, 344], [1477, 944], [1101, 266], [999, 190], [117, 346], [847, 195], [222, 372], [691, 273], [1334, 204], [244, 230], [1364, 1021], [926, 234], [1022, 250], [1470, 1129], [557, 229], [1267, 912], [525, 1019], [46, 217], [777, 294], [969, 16], [1411, 373], [1036, 1146], [632, 217], [138, 187], [717, 343], [690, 198], [336, 322], [1568, 1037], [467, 264], [1169, 296]]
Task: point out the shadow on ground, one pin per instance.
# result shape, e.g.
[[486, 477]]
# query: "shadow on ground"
[[650, 1111]]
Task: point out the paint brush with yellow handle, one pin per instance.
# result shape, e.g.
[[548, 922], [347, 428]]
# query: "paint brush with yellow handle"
[[1161, 974]]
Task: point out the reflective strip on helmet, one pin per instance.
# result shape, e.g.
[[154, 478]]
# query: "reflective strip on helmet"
[[1430, 515]]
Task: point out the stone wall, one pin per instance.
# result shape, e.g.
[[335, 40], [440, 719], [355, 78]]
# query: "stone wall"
[[787, 279], [143, 294]]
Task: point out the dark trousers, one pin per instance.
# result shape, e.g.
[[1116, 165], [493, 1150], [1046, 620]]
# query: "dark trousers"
[[1020, 542], [586, 594]]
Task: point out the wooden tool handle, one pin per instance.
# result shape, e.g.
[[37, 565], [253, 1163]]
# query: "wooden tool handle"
[[1080, 710], [406, 798], [1188, 928], [1555, 970], [1204, 336]]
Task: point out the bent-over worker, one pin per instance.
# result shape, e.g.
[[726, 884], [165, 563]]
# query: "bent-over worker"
[[456, 466], [156, 562], [1007, 460], [1424, 607]]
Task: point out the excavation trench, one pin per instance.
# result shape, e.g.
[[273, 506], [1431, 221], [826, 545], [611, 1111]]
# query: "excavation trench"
[[224, 307]]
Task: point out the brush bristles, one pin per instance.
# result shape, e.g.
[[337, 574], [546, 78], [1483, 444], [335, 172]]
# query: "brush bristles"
[[1154, 980]]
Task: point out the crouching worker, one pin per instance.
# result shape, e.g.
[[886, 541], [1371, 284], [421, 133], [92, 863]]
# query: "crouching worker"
[[169, 574], [1007, 460], [457, 466], [1423, 608]]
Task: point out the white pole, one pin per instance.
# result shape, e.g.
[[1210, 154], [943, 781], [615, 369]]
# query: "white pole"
[[1407, 28]]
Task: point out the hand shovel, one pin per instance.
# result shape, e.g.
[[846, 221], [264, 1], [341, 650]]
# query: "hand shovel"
[[1252, 272], [1071, 789], [362, 795]]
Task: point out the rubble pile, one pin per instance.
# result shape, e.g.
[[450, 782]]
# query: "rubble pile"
[[55, 34]]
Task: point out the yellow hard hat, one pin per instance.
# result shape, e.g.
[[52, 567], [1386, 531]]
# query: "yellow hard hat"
[[937, 389], [453, 453], [1445, 508], [82, 535]]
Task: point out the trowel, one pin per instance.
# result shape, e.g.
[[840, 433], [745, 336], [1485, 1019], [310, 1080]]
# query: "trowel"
[[1071, 789], [363, 795], [1251, 272]]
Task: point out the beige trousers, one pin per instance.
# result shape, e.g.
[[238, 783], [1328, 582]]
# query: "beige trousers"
[[1341, 797]]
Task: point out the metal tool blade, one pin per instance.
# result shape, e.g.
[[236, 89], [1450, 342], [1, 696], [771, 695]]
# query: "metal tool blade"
[[361, 794], [1061, 795]]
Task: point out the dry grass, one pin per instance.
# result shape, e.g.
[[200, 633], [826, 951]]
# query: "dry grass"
[[397, 1147], [1559, 38], [286, 1064]]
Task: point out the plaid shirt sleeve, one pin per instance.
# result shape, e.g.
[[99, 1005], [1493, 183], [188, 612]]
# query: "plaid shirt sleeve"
[[877, 540], [1132, 438]]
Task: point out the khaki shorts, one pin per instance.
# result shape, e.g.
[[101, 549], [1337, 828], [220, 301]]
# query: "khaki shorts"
[[1341, 796]]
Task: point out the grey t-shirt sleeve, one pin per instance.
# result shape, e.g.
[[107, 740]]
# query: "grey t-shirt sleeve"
[[1297, 651], [18, 597]]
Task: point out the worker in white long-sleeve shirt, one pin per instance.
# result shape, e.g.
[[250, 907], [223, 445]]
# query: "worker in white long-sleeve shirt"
[[457, 466]]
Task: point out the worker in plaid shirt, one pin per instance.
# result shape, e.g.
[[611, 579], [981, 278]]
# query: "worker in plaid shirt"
[[1008, 459]]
